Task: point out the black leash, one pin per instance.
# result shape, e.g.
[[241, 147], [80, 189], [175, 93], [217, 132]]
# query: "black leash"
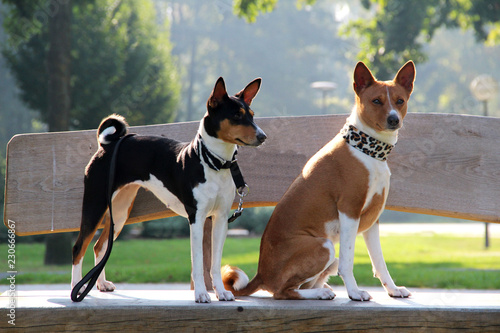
[[93, 274], [242, 188]]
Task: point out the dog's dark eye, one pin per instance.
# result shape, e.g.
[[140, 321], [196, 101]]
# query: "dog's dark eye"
[[377, 101], [238, 116], [399, 101]]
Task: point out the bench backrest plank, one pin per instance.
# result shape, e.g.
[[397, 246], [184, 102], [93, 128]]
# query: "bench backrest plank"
[[446, 165]]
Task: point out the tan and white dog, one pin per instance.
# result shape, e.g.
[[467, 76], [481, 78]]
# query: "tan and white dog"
[[341, 192]]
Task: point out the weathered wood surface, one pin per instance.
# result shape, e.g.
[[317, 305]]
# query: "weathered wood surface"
[[134, 309], [447, 165]]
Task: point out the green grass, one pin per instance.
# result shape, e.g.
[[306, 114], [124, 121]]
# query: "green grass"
[[414, 261]]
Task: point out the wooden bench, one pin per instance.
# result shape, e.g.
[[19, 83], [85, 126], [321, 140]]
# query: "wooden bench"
[[446, 165]]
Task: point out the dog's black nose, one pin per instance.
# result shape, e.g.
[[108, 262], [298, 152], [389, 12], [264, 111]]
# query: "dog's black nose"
[[261, 137], [393, 120]]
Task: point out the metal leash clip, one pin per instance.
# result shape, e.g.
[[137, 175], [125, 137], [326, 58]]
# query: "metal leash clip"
[[241, 192]]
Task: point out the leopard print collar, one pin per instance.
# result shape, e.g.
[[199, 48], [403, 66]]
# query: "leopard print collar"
[[365, 143]]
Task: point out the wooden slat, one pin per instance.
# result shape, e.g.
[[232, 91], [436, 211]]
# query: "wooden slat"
[[446, 165], [159, 310]]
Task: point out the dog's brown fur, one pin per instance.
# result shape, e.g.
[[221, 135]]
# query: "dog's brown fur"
[[297, 244]]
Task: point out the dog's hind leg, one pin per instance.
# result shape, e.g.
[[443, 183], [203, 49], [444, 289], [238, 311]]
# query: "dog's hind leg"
[[372, 240], [308, 270], [123, 201], [322, 279], [94, 207]]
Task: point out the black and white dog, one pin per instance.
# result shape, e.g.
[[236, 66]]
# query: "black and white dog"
[[193, 179]]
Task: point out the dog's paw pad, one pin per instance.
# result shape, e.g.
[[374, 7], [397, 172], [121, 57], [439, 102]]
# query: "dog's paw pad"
[[400, 292], [203, 297], [359, 295], [106, 286], [225, 296]]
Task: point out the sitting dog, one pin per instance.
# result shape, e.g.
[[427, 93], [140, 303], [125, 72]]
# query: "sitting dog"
[[193, 179], [341, 192]]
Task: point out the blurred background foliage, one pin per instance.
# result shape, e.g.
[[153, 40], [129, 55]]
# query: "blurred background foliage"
[[156, 61]]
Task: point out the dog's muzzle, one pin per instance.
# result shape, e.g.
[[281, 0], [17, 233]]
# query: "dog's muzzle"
[[261, 136], [393, 121]]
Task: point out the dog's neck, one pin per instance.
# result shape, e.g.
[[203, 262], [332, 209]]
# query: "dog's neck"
[[217, 146], [390, 137]]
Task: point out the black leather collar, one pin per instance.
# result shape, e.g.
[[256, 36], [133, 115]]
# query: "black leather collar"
[[215, 162]]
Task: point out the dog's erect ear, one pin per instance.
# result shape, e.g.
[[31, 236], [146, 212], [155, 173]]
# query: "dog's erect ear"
[[250, 91], [406, 76], [218, 94], [363, 78]]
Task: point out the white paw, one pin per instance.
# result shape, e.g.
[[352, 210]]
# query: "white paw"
[[202, 297], [105, 286], [359, 295], [325, 293], [225, 296], [401, 292]]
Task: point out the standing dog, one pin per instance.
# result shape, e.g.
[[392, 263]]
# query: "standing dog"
[[341, 192], [193, 179]]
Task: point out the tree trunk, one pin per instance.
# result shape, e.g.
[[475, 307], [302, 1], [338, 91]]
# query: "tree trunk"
[[192, 77], [58, 246]]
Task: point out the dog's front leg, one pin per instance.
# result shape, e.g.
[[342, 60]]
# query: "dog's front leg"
[[348, 231], [219, 231], [196, 236], [372, 240]]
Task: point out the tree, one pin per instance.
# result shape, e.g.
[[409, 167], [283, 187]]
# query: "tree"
[[15, 117], [58, 68], [250, 9], [399, 28], [120, 60], [58, 107], [288, 48], [94, 58]]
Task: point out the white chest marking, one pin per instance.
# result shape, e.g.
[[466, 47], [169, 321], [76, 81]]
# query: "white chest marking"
[[217, 193], [378, 175]]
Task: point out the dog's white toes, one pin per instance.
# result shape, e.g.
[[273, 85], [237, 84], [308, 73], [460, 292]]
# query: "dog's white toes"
[[202, 297], [359, 295], [225, 296], [401, 292], [105, 286], [325, 293]]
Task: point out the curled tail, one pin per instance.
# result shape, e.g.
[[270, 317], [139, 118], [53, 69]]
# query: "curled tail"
[[111, 129], [236, 281]]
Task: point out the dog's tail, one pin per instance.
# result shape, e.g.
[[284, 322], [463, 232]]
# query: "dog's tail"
[[236, 281], [111, 129]]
